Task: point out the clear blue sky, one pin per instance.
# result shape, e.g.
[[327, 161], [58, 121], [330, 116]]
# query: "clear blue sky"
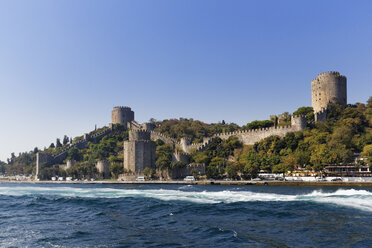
[[65, 64]]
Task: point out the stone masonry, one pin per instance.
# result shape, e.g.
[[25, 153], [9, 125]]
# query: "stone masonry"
[[122, 115], [247, 137], [327, 87], [103, 168], [139, 151]]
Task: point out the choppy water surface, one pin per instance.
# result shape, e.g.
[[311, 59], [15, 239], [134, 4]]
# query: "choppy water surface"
[[184, 216]]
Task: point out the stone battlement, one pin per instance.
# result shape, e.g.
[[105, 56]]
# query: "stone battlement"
[[321, 115], [328, 87], [251, 131], [156, 135], [122, 115], [139, 134], [181, 157], [139, 151], [327, 74], [122, 107], [61, 155], [181, 153], [247, 137]]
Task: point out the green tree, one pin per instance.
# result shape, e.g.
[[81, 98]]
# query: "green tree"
[[194, 172], [216, 167], [58, 143], [319, 156], [74, 154], [164, 156], [260, 124], [289, 163], [233, 170], [367, 152], [65, 140], [178, 164], [149, 173], [279, 168], [305, 111], [2, 167], [250, 170], [116, 169]]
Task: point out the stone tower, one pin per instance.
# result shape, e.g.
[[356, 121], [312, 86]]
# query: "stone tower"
[[328, 87], [298, 122], [139, 151], [103, 168], [123, 115], [185, 144]]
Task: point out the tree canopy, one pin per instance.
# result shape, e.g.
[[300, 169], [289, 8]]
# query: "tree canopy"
[[347, 131]]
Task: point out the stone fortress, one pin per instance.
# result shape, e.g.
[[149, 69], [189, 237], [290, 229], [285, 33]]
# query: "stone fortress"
[[327, 87], [138, 153], [139, 150]]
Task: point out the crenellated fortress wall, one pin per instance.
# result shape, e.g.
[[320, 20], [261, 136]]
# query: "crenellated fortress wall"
[[247, 137], [156, 135], [48, 159]]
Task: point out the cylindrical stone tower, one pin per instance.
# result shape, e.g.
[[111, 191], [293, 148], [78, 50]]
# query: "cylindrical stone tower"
[[122, 115], [328, 87]]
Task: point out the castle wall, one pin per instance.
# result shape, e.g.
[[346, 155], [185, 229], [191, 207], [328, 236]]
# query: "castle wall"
[[250, 137], [129, 150], [42, 158], [148, 126], [247, 137], [328, 87], [68, 165], [181, 173], [185, 144], [139, 135], [321, 116], [156, 135], [181, 157]]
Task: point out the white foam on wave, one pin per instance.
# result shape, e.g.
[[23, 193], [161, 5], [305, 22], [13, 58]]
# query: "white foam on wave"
[[360, 199]]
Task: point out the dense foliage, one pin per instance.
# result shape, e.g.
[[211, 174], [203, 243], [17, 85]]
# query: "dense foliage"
[[348, 131], [306, 111], [195, 130], [260, 124], [216, 156], [22, 164], [109, 148]]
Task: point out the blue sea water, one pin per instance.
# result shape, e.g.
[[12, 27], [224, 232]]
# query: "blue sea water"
[[184, 216]]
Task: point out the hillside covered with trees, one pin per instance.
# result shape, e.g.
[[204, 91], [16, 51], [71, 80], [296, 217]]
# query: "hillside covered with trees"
[[348, 131]]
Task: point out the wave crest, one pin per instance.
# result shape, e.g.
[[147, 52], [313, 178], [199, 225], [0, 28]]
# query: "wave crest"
[[360, 199]]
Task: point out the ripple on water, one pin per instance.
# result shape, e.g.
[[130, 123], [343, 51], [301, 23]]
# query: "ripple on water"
[[186, 216]]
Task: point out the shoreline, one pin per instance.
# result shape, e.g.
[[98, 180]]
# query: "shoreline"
[[216, 182]]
